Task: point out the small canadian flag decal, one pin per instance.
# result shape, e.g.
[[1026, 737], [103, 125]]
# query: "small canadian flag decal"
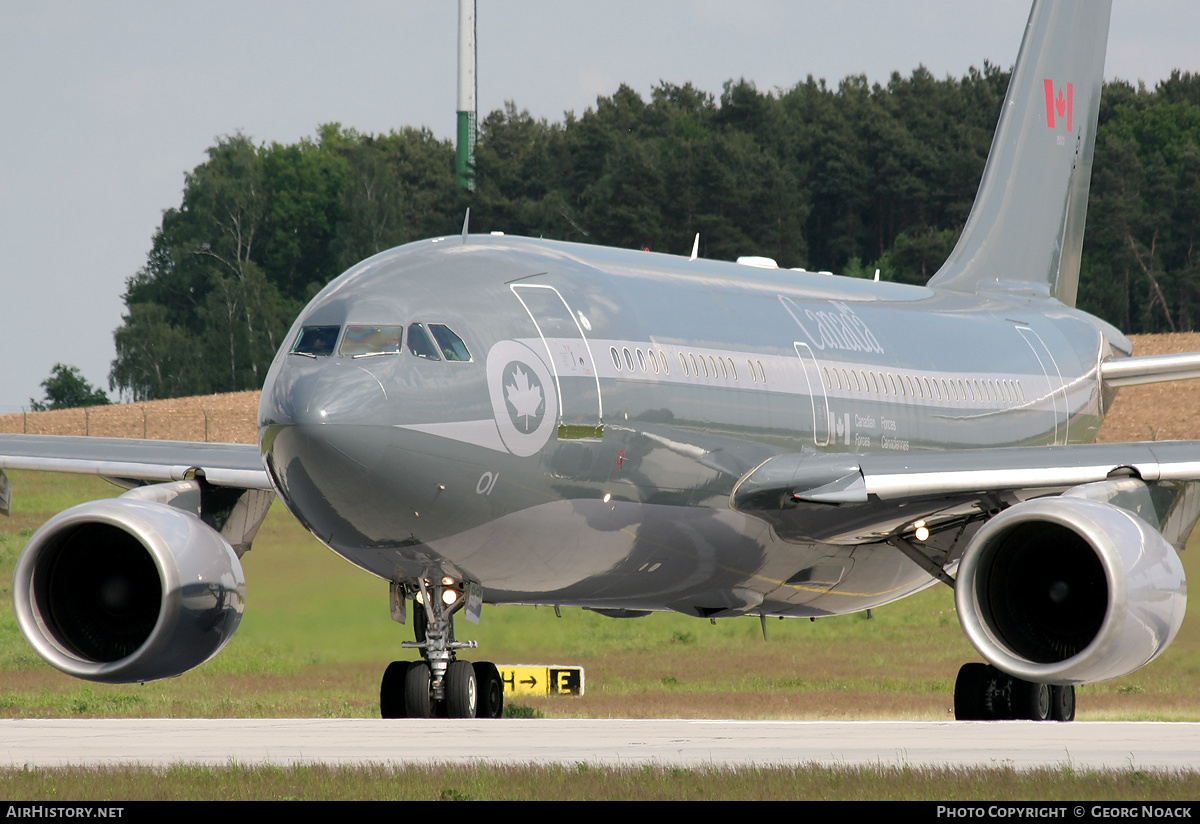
[[1058, 104]]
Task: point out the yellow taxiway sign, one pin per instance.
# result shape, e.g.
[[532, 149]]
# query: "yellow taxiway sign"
[[525, 679]]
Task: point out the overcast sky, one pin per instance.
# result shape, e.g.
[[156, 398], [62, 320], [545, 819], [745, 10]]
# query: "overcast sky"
[[105, 106]]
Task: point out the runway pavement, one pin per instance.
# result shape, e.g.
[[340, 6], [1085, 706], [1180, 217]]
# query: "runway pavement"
[[1018, 744]]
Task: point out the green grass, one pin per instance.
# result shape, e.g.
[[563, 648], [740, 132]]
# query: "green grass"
[[583, 781], [317, 634]]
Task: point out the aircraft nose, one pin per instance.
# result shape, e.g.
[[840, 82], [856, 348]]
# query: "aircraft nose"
[[321, 410], [321, 445], [316, 395]]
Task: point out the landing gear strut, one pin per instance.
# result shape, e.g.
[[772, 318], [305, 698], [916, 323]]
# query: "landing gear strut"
[[984, 693], [439, 684]]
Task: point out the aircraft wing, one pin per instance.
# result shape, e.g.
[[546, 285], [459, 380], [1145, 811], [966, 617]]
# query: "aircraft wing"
[[863, 498], [836, 479], [221, 464]]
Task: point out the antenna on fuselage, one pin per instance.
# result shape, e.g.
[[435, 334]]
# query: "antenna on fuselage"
[[466, 223], [695, 247]]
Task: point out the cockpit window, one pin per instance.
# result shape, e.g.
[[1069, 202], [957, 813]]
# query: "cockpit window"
[[316, 340], [452, 346], [361, 341], [420, 344]]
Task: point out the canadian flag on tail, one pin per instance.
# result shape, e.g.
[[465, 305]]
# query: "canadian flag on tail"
[[1058, 104]]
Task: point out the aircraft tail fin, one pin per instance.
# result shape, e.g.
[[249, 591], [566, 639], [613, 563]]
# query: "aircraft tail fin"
[[1025, 231]]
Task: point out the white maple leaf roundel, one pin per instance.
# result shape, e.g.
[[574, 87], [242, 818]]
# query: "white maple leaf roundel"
[[525, 397]]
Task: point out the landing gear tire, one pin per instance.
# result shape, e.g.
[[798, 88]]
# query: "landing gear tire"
[[1062, 703], [984, 693], [391, 690], [491, 690], [970, 693], [1030, 701], [462, 693], [439, 686], [418, 698]]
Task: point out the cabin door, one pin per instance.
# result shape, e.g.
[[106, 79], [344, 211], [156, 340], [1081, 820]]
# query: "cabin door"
[[812, 376], [816, 394], [1055, 395], [580, 413]]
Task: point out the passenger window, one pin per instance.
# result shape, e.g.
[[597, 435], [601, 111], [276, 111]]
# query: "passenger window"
[[420, 344], [361, 341], [316, 341], [452, 346]]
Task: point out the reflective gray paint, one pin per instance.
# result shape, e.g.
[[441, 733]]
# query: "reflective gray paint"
[[203, 589], [384, 468], [223, 464]]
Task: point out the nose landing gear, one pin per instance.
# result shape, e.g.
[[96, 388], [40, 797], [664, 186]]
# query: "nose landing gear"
[[439, 685]]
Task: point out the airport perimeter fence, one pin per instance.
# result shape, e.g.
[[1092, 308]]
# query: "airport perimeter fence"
[[139, 421]]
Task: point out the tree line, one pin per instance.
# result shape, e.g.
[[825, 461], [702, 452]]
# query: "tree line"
[[850, 179]]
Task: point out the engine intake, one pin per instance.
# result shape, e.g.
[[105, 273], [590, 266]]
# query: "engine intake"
[[1069, 590], [127, 590]]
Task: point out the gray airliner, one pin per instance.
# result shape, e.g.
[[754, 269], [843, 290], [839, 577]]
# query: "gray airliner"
[[493, 419]]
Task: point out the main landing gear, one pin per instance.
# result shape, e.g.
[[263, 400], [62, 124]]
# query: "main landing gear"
[[439, 685], [984, 693]]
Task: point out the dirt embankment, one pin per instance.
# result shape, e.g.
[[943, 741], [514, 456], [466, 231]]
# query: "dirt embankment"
[[1157, 411], [229, 418], [1163, 411]]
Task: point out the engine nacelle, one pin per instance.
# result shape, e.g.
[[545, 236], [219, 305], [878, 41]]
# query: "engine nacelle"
[[1069, 590], [127, 590]]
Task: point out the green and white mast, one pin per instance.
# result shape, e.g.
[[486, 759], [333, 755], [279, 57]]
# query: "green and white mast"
[[464, 162]]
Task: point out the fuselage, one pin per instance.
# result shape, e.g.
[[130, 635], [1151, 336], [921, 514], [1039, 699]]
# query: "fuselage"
[[576, 436]]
